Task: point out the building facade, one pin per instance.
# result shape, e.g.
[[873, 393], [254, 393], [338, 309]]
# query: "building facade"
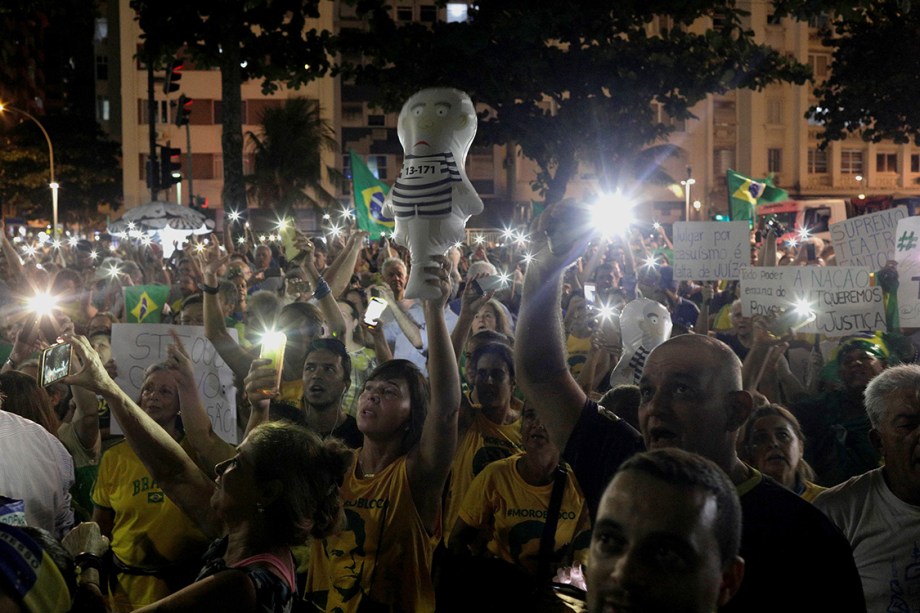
[[754, 133]]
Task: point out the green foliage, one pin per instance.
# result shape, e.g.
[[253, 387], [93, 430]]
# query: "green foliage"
[[271, 37], [568, 82], [288, 167], [86, 165], [875, 75]]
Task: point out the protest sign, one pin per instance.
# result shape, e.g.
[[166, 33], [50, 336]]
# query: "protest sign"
[[711, 249], [137, 346], [907, 255], [845, 299], [867, 240]]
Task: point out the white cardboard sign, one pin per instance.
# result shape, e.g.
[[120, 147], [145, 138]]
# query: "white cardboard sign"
[[709, 250], [867, 240], [137, 346], [845, 299], [907, 255]]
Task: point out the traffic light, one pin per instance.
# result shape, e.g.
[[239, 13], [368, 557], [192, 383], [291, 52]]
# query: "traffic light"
[[170, 165], [183, 110], [173, 76]]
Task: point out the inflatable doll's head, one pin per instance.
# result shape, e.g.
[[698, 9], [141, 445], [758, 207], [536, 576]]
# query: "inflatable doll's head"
[[437, 120]]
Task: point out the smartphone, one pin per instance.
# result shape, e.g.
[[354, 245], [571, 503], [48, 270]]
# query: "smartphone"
[[54, 364], [590, 292], [791, 321], [273, 344], [810, 251], [375, 309], [487, 284]]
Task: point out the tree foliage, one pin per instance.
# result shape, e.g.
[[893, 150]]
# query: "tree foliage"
[[86, 165], [245, 40], [288, 166], [875, 75], [569, 82]]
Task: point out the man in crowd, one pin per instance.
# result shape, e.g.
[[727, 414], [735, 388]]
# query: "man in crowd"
[[879, 511], [404, 327], [835, 423], [666, 537], [692, 398]]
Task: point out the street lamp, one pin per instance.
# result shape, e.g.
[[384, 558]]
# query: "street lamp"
[[686, 184], [54, 185]]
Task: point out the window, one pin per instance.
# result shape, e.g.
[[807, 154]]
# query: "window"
[[219, 111], [774, 111], [774, 19], [403, 13], [723, 159], [378, 165], [817, 161], [102, 68], [352, 111], [851, 161], [774, 160], [143, 116], [428, 13], [819, 62], [886, 162], [101, 33], [376, 120], [820, 21], [457, 12], [103, 112], [915, 162]]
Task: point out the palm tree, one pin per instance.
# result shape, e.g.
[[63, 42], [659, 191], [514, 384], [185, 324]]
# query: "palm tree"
[[288, 169]]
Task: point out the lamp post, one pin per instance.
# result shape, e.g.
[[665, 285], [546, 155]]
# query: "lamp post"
[[54, 184], [686, 184]]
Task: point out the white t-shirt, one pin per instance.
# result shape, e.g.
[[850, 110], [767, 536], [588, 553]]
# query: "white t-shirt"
[[36, 468], [884, 532]]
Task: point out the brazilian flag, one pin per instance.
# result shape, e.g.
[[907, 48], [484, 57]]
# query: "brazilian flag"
[[369, 192], [744, 194], [144, 303]]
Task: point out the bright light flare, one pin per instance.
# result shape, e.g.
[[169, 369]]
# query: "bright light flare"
[[282, 224], [56, 244], [605, 312], [42, 303], [479, 239], [29, 250], [804, 234], [199, 247], [146, 240], [335, 231], [72, 241], [327, 216], [651, 263], [612, 214], [508, 234], [520, 239], [527, 257], [241, 240], [656, 225], [802, 307], [112, 271], [504, 278], [234, 215], [93, 254]]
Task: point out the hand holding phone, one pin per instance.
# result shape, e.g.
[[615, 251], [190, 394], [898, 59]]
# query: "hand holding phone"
[[375, 309], [54, 364]]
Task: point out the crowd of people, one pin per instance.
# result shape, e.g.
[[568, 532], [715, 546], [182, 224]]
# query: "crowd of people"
[[500, 447]]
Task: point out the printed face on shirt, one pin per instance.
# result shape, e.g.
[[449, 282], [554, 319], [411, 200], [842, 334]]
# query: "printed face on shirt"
[[654, 548], [346, 551]]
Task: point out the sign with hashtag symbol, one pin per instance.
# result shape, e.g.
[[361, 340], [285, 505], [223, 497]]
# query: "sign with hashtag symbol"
[[906, 241], [907, 255]]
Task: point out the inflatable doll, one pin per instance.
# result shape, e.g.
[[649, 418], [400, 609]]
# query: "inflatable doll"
[[644, 324]]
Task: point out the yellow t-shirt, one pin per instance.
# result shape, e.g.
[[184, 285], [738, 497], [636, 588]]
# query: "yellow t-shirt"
[[577, 349], [149, 532], [484, 442], [499, 500], [384, 553]]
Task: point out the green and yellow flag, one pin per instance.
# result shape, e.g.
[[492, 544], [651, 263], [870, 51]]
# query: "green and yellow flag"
[[369, 192], [144, 303], [744, 194]]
